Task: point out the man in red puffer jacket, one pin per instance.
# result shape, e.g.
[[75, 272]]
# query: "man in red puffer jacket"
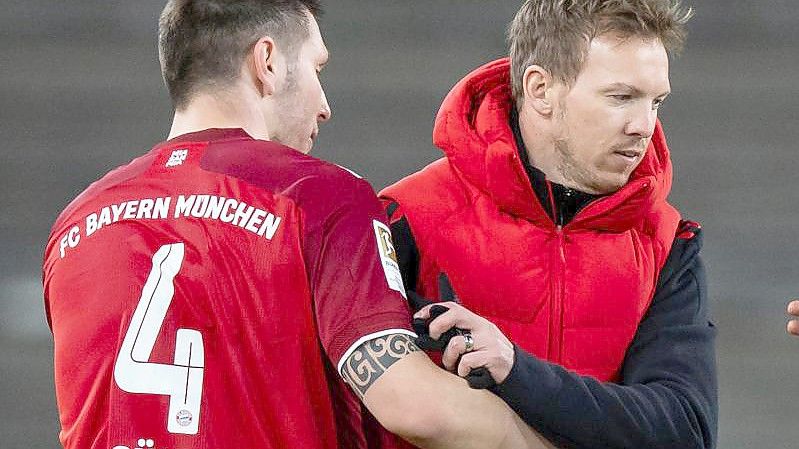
[[581, 289]]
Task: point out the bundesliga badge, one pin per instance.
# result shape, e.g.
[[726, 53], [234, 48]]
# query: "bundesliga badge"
[[388, 257]]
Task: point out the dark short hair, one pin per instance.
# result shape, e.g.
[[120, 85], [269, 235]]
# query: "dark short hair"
[[203, 43], [555, 34]]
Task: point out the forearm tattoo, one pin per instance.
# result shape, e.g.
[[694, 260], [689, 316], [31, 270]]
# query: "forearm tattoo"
[[373, 358]]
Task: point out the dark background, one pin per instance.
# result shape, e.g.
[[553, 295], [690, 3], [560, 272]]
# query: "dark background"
[[81, 93]]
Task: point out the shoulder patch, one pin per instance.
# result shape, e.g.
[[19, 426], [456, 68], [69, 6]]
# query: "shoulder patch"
[[388, 257]]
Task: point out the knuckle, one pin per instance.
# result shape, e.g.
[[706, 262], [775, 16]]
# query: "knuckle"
[[448, 362], [451, 351], [439, 327], [455, 308]]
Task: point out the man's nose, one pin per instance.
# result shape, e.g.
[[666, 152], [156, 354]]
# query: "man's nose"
[[325, 112], [642, 123]]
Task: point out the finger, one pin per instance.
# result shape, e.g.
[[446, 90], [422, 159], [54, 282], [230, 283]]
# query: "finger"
[[471, 361], [793, 327], [793, 308], [454, 317], [424, 312], [455, 348]]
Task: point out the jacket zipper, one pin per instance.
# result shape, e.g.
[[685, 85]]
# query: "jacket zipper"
[[558, 275]]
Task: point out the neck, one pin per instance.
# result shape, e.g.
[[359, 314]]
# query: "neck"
[[206, 111]]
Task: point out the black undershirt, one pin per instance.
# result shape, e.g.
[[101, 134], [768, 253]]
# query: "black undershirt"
[[567, 201]]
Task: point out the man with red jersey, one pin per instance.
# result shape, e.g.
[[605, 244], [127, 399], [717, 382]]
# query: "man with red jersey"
[[548, 217], [221, 290]]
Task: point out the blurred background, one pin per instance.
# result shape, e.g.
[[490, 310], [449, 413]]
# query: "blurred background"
[[81, 93]]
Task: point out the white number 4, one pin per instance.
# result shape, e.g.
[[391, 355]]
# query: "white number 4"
[[182, 380]]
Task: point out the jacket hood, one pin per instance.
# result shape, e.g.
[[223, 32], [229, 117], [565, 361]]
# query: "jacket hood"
[[472, 129]]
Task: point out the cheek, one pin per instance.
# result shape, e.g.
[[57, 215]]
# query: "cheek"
[[584, 124], [603, 132], [313, 102], [305, 104], [588, 138], [315, 95]]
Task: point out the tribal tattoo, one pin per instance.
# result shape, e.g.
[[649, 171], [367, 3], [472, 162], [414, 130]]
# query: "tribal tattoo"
[[373, 358]]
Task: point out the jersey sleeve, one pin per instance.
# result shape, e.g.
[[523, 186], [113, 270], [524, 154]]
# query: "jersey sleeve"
[[357, 286]]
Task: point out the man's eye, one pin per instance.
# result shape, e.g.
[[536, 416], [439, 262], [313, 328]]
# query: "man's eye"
[[657, 104], [621, 97]]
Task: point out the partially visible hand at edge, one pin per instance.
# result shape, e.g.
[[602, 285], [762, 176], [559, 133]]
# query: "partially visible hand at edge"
[[793, 311]]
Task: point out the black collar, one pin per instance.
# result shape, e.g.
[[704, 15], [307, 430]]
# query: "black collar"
[[565, 202]]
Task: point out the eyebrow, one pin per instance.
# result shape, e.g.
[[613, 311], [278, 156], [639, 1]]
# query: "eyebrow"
[[635, 91]]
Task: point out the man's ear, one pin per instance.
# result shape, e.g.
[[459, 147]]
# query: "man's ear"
[[264, 60], [538, 86]]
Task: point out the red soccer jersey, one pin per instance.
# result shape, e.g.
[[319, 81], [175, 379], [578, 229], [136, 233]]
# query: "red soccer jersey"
[[203, 295]]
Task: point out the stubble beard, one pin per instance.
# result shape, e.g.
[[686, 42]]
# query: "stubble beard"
[[287, 102], [575, 175]]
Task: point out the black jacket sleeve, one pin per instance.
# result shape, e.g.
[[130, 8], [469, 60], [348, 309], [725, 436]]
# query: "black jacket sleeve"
[[667, 397]]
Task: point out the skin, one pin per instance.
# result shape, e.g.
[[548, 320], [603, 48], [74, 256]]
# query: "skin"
[[793, 311], [592, 134], [300, 104], [491, 350], [278, 96], [589, 136]]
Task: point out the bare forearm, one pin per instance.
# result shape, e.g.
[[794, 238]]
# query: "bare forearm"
[[432, 408], [472, 418]]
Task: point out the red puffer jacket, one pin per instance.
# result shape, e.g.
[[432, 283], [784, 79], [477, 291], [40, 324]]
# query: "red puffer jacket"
[[573, 296]]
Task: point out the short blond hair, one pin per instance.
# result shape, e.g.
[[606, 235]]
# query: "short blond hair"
[[555, 34]]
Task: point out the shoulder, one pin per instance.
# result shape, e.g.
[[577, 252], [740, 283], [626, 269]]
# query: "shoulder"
[[687, 241], [282, 170], [93, 195], [684, 258], [436, 189]]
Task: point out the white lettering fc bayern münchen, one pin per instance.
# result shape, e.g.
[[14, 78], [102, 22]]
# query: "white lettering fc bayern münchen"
[[209, 207], [206, 207]]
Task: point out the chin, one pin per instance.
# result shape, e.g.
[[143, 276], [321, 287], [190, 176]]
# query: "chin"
[[616, 185], [608, 186]]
